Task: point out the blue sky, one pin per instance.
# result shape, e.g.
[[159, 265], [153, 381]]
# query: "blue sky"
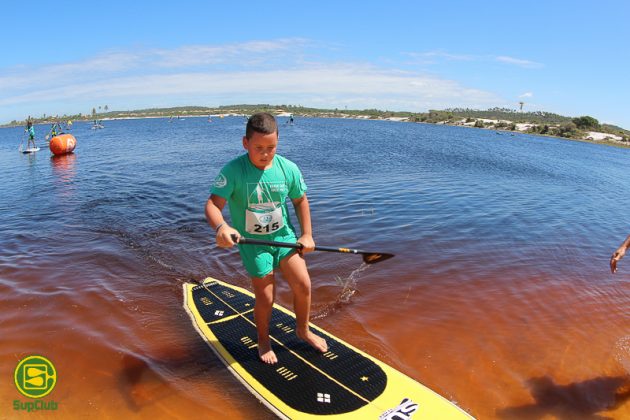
[[567, 57]]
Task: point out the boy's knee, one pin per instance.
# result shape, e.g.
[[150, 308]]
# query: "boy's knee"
[[264, 289], [263, 303], [302, 288]]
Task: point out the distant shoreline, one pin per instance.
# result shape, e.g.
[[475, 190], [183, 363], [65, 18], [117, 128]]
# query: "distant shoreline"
[[500, 126]]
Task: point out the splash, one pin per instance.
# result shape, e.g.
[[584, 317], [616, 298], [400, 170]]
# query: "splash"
[[349, 284], [622, 352], [348, 289]]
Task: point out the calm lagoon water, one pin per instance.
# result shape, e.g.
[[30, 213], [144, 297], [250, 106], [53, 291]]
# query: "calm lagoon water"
[[499, 298]]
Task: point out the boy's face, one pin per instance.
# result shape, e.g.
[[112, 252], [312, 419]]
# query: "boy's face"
[[261, 149]]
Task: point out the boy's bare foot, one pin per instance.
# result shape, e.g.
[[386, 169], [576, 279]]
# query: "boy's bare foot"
[[314, 340], [266, 354]]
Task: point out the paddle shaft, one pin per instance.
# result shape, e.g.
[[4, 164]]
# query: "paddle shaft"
[[368, 257], [294, 246]]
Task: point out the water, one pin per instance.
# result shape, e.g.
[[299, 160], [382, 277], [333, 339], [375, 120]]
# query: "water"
[[499, 298]]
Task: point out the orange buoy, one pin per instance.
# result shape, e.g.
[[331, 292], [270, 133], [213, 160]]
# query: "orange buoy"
[[62, 144]]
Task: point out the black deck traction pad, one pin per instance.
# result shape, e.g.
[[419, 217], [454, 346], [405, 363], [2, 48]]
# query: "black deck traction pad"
[[305, 379]]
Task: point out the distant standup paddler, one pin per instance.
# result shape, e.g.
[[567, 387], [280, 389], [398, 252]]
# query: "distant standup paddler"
[[55, 129], [256, 186], [618, 254], [31, 133]]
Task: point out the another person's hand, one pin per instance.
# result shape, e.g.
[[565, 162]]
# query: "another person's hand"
[[618, 254], [307, 242], [224, 236]]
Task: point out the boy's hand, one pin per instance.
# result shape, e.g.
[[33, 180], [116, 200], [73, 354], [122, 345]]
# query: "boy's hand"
[[224, 236], [619, 253], [307, 242]]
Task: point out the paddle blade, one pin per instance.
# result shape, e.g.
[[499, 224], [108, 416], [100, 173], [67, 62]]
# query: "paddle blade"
[[373, 258]]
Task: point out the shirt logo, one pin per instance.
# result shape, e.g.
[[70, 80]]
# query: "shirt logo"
[[265, 196], [220, 181]]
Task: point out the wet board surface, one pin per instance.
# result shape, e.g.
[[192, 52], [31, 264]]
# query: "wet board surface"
[[341, 383], [31, 150]]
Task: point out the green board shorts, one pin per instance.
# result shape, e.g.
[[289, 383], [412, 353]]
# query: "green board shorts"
[[260, 260]]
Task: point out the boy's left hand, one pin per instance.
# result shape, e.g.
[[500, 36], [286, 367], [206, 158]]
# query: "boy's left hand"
[[307, 242]]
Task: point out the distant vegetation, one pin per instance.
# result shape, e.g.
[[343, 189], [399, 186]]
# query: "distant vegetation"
[[537, 117], [241, 109], [538, 122]]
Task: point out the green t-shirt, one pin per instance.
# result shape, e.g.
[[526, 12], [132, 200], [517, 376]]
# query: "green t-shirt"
[[257, 198]]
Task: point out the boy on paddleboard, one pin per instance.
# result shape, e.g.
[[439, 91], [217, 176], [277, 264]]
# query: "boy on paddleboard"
[[255, 186]]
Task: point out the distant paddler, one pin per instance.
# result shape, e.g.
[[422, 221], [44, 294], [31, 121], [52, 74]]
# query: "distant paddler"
[[55, 130], [97, 124], [30, 129]]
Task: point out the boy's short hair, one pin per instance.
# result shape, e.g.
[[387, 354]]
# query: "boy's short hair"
[[263, 123]]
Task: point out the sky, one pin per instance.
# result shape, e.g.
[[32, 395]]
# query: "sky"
[[66, 57]]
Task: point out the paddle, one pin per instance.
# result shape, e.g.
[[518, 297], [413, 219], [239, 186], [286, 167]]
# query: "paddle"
[[368, 257]]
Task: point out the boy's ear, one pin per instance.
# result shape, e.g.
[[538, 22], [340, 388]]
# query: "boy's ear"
[[245, 142]]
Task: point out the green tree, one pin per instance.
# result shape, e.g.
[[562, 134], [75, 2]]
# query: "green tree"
[[585, 122], [568, 129]]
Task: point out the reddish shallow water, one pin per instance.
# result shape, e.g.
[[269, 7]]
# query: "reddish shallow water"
[[499, 297]]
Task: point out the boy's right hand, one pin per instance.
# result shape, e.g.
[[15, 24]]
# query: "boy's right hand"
[[224, 236]]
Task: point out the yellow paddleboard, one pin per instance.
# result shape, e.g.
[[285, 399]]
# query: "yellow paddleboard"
[[343, 383]]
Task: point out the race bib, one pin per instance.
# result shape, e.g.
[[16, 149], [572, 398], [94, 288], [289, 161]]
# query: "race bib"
[[263, 223]]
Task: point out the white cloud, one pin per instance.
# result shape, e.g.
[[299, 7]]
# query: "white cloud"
[[240, 54], [257, 71], [519, 62], [433, 57], [56, 74], [335, 81], [117, 62], [440, 54], [526, 95]]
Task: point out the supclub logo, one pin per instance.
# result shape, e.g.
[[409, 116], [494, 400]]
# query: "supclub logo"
[[35, 377]]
